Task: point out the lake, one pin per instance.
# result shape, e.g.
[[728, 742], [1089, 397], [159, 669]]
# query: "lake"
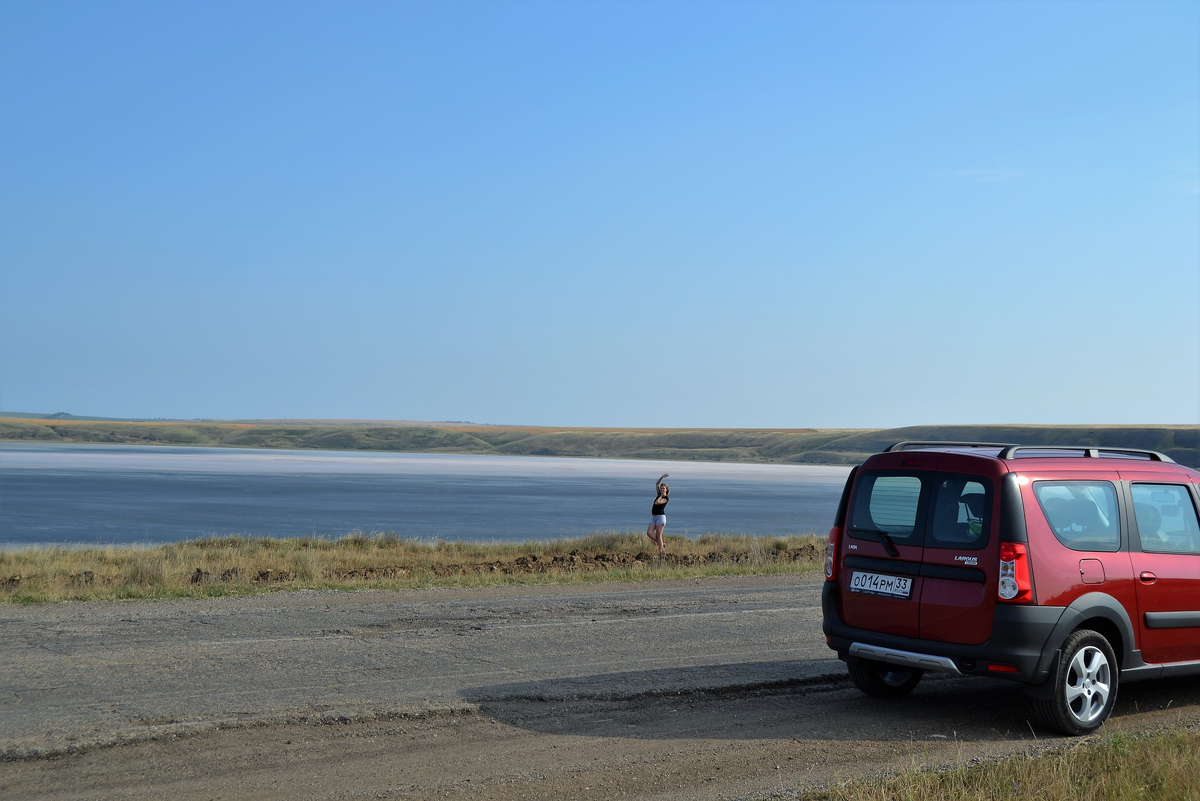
[[62, 493]]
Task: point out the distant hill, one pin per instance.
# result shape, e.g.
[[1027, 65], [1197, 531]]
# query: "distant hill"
[[787, 446], [54, 416]]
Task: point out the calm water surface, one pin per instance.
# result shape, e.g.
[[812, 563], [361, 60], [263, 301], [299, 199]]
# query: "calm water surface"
[[54, 493]]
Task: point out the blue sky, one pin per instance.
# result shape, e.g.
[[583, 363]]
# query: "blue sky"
[[604, 214]]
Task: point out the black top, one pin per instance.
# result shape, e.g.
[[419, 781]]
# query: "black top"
[[660, 505]]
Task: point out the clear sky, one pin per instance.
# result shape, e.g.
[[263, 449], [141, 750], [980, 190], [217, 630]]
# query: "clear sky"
[[606, 214]]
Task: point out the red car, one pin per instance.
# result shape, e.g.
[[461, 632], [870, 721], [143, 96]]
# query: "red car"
[[1069, 570]]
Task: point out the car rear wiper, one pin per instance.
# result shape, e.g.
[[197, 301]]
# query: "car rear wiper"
[[883, 537]]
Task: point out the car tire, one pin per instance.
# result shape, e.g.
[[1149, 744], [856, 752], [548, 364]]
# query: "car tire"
[[881, 680], [1085, 685]]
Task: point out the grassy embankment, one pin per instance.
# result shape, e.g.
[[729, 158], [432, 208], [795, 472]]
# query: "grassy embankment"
[[242, 565], [1163, 766], [787, 446]]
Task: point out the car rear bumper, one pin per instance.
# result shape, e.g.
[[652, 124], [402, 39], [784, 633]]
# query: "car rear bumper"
[[894, 656], [1020, 635]]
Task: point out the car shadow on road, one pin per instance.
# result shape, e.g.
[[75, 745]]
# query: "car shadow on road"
[[825, 707]]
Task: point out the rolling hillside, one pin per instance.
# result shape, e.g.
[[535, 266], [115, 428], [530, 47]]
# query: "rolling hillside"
[[789, 446]]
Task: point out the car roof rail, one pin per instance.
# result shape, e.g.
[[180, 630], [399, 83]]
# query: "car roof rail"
[[919, 444], [1154, 456]]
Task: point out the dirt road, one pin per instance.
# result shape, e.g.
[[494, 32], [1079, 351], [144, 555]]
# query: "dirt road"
[[721, 688]]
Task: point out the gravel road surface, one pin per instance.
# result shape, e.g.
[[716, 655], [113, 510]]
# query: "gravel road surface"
[[716, 688]]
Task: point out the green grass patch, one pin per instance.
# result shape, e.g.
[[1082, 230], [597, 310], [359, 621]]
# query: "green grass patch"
[[1163, 766], [245, 565]]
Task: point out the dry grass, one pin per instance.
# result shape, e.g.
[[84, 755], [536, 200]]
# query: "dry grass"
[[1158, 767], [244, 565]]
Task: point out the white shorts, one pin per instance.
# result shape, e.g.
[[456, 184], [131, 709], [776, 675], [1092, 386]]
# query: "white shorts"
[[658, 520]]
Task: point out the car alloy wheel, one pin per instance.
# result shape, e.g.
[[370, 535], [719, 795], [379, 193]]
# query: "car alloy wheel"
[[1085, 685], [1088, 684]]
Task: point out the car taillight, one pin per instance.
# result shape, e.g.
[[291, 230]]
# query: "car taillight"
[[835, 534], [1015, 584]]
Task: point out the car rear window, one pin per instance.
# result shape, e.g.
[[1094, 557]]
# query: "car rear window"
[[962, 511], [1082, 514], [1166, 518], [889, 503]]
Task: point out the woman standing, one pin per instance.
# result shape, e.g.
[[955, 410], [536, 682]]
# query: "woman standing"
[[658, 514]]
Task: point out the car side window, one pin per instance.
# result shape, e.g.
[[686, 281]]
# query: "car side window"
[[1082, 514], [961, 512], [1166, 518]]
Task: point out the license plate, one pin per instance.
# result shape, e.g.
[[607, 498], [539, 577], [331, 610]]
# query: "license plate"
[[876, 584]]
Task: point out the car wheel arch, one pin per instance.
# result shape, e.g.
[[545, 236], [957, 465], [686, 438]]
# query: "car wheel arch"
[[1101, 613], [1111, 632]]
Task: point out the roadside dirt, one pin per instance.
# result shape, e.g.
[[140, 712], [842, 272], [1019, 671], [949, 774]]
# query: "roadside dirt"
[[697, 722], [743, 744]]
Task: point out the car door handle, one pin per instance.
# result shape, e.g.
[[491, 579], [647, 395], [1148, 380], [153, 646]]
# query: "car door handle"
[[1146, 577]]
